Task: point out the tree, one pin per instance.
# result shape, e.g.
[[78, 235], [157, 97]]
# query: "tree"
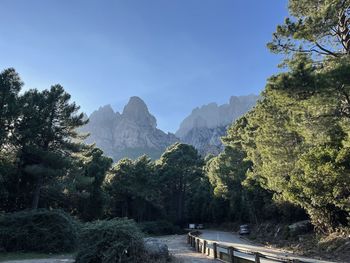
[[296, 138], [10, 86], [45, 136], [93, 167], [318, 27], [179, 168], [132, 190], [226, 172], [300, 128]]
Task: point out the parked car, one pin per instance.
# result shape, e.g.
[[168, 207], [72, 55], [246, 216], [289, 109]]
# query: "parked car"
[[244, 230], [192, 226], [200, 226]]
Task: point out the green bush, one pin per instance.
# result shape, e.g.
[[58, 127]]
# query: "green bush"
[[38, 231], [106, 241], [158, 228]]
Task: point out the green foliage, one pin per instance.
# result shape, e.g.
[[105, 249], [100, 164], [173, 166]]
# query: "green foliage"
[[314, 27], [38, 231], [45, 134], [10, 85], [158, 228], [132, 190], [176, 189], [37, 143], [136, 152], [179, 170], [297, 139], [117, 240], [91, 168], [226, 173]]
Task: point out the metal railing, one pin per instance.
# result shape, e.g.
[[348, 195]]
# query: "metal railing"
[[226, 253]]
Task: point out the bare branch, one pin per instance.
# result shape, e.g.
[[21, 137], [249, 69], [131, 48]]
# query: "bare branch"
[[326, 50]]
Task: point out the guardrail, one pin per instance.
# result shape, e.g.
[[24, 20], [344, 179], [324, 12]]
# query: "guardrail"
[[227, 253]]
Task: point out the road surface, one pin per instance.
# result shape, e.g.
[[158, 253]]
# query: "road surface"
[[179, 248], [234, 240], [184, 253]]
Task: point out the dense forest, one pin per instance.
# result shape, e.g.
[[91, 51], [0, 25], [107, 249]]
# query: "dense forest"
[[287, 159], [45, 165]]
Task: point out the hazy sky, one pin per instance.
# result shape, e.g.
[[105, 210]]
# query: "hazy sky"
[[174, 54]]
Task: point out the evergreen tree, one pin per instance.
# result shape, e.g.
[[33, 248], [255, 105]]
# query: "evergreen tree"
[[45, 136], [93, 167], [132, 190], [10, 86], [180, 169]]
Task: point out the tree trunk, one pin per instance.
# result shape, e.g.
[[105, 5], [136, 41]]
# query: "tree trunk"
[[36, 194]]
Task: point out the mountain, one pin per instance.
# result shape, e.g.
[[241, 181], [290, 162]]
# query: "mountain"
[[205, 125], [134, 132], [129, 134]]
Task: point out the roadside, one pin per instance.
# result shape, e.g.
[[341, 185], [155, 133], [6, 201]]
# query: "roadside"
[[334, 247], [35, 258], [183, 253], [231, 239], [47, 260], [177, 244]]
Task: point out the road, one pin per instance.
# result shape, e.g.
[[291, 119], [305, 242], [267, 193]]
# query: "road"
[[179, 248], [234, 240]]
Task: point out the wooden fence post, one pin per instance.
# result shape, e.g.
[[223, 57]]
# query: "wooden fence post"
[[197, 248], [231, 253], [257, 258], [215, 248], [188, 239], [204, 247]]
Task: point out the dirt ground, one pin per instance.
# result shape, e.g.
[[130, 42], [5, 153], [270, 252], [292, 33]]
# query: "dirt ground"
[[177, 245], [49, 260]]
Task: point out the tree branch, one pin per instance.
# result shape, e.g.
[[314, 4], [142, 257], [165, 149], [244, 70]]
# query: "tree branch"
[[326, 50]]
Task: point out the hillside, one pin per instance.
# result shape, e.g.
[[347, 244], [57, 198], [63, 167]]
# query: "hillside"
[[131, 133], [205, 125]]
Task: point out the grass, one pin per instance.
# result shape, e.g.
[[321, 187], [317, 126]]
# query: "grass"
[[21, 256]]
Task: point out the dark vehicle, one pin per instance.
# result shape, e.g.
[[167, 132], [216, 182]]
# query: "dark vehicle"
[[200, 226], [244, 230]]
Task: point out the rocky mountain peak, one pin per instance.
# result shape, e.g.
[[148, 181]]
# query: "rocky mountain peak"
[[136, 110], [104, 113], [130, 134], [206, 124]]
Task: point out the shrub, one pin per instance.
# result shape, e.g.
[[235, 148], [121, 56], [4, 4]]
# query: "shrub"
[[38, 231], [161, 227], [116, 240]]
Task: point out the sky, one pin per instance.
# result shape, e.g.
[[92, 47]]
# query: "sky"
[[174, 54]]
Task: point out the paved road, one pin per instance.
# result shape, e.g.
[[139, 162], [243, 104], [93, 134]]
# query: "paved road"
[[231, 239], [179, 248]]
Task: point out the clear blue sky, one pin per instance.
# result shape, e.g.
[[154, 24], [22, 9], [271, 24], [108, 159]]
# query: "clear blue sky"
[[174, 54]]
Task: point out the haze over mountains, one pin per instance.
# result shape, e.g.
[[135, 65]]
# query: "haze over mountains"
[[129, 134], [134, 131], [205, 125]]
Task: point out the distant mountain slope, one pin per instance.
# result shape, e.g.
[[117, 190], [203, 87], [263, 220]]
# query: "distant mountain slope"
[[205, 125], [130, 134]]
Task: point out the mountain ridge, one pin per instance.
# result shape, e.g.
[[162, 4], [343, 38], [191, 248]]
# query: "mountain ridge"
[[204, 127], [134, 132], [129, 134]]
